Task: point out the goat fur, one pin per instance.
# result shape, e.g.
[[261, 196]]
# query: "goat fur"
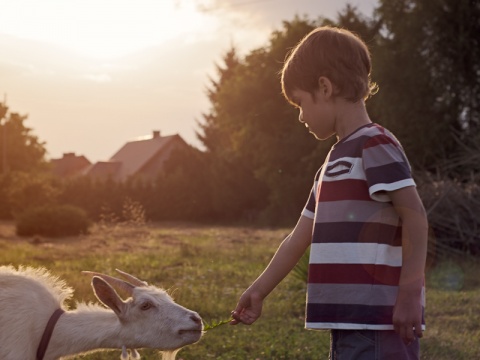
[[29, 296]]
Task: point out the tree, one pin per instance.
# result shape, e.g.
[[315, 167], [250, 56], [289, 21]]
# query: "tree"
[[21, 191], [251, 134], [426, 61], [453, 53], [183, 191], [20, 150], [236, 189]]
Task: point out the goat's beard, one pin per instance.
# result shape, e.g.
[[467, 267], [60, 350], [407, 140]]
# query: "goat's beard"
[[169, 355]]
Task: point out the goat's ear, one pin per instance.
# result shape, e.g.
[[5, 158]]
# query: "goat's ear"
[[108, 296]]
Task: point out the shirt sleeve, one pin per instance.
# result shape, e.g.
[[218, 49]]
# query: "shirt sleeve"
[[309, 209], [386, 167]]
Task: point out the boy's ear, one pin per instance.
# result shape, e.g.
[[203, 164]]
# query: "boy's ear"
[[325, 86]]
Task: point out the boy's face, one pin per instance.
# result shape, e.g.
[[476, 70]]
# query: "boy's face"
[[315, 112]]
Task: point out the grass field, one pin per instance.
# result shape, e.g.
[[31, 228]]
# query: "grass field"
[[206, 268]]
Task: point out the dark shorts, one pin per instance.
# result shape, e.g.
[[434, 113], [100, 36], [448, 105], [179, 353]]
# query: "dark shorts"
[[371, 345]]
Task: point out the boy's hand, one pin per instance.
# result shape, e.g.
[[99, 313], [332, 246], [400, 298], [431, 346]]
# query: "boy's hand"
[[407, 317], [249, 308]]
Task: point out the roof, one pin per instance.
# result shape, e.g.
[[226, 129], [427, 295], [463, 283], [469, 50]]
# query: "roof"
[[69, 165], [104, 169], [137, 153]]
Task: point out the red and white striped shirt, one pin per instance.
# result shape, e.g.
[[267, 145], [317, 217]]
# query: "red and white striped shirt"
[[356, 250]]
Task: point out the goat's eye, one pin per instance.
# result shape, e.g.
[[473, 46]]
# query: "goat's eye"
[[146, 305]]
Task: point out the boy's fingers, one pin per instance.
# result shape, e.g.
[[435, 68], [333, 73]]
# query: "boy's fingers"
[[408, 334], [411, 333], [418, 330], [243, 317], [237, 318]]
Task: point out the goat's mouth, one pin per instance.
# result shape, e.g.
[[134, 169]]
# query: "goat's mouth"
[[191, 336], [190, 331]]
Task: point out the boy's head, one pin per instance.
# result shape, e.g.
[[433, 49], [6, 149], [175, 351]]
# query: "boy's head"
[[334, 53]]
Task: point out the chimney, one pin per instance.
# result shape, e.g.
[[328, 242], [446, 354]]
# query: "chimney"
[[156, 134]]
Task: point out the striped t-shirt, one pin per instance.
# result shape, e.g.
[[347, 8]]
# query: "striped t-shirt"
[[356, 251]]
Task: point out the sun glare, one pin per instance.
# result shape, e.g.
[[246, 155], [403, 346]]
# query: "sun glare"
[[102, 29]]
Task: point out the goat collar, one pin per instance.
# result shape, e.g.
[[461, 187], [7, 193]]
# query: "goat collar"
[[47, 333]]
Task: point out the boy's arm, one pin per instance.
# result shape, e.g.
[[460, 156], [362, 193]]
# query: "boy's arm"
[[249, 307], [407, 314]]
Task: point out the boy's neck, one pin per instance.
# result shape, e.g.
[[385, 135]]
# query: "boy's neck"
[[349, 117]]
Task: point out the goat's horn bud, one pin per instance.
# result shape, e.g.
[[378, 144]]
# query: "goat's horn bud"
[[132, 279], [119, 283]]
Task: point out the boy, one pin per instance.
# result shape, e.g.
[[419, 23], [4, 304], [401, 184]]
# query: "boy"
[[364, 219]]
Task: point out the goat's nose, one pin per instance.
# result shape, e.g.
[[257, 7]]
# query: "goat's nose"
[[196, 319]]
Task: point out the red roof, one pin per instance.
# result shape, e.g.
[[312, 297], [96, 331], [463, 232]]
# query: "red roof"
[[142, 156], [137, 153], [70, 165], [104, 169]]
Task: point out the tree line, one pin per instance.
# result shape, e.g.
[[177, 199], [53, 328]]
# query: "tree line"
[[258, 163]]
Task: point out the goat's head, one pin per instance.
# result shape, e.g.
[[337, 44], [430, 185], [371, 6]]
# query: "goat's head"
[[150, 317]]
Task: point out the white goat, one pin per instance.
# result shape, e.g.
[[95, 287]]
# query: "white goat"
[[148, 319]]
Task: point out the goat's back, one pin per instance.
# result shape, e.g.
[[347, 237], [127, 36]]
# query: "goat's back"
[[28, 297]]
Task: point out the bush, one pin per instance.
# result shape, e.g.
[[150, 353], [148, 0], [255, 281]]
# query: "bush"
[[453, 207], [53, 221]]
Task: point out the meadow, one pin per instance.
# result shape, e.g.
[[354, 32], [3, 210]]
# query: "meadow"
[[206, 268]]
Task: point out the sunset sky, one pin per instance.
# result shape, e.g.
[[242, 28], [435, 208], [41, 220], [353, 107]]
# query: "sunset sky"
[[93, 74]]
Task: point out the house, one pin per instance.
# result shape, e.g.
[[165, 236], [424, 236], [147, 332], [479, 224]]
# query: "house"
[[104, 170], [69, 165], [144, 157]]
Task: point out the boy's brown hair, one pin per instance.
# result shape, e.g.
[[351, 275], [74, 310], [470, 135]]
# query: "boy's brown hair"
[[335, 53]]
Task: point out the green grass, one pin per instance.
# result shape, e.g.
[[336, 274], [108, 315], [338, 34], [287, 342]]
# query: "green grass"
[[207, 268]]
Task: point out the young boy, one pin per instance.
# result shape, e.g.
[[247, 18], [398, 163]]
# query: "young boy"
[[364, 220]]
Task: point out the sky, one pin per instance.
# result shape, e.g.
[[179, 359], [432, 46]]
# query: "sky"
[[94, 74]]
